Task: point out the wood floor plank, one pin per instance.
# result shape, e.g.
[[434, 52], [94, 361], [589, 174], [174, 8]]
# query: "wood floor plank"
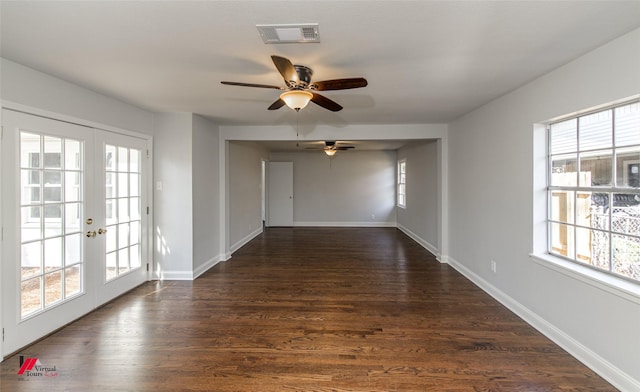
[[307, 309]]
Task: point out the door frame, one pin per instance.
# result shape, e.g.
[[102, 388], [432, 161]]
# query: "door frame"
[[147, 232], [263, 191]]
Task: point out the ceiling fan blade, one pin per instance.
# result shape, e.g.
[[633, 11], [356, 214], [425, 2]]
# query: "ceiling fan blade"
[[286, 69], [340, 84], [252, 85], [325, 102], [276, 105]]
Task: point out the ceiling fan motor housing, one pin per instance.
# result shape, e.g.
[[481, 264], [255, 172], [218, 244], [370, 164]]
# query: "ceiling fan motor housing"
[[304, 76]]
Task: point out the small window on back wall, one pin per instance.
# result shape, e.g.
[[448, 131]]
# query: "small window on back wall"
[[594, 189], [402, 183]]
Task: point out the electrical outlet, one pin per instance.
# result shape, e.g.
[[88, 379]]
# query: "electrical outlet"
[[494, 266]]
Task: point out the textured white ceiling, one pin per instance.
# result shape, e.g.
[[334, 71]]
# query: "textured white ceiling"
[[426, 61]]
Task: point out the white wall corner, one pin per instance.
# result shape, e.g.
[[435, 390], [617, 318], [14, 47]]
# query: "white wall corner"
[[444, 259], [443, 186], [223, 154], [592, 360]]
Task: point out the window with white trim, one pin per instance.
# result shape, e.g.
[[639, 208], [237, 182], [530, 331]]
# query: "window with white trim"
[[402, 179], [593, 189]]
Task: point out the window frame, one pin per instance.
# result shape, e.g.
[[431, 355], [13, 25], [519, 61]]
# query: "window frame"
[[610, 189], [401, 184]]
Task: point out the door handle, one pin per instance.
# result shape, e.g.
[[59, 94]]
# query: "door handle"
[[102, 231], [91, 234]]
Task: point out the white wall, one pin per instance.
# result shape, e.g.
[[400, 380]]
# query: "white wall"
[[420, 217], [35, 89], [355, 188], [187, 195], [491, 196], [245, 193], [206, 195], [173, 197]]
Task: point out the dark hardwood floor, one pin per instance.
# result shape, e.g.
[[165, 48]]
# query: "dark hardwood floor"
[[307, 309]]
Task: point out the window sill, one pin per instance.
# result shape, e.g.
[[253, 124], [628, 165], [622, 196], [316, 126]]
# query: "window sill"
[[616, 286]]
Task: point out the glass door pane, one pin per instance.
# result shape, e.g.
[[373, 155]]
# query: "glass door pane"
[[51, 262], [123, 204]]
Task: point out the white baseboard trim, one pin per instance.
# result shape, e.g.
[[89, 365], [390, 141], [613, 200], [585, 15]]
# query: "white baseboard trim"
[[595, 362], [344, 224], [206, 266], [189, 275], [425, 244], [244, 241], [175, 275]]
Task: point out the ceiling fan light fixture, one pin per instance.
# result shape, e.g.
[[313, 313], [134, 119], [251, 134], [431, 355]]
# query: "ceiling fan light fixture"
[[330, 151], [296, 99]]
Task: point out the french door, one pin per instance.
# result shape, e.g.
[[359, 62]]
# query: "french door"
[[75, 222]]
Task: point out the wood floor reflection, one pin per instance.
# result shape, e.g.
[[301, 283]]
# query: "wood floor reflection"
[[307, 309]]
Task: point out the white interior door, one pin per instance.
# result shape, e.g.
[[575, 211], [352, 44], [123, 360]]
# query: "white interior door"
[[56, 205], [280, 197]]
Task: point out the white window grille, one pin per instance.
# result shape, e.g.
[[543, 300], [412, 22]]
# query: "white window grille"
[[594, 189]]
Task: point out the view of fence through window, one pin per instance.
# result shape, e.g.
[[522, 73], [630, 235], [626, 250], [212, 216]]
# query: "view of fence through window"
[[594, 189]]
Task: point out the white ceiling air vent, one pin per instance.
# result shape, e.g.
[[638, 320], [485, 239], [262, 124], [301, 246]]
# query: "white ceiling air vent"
[[289, 33]]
